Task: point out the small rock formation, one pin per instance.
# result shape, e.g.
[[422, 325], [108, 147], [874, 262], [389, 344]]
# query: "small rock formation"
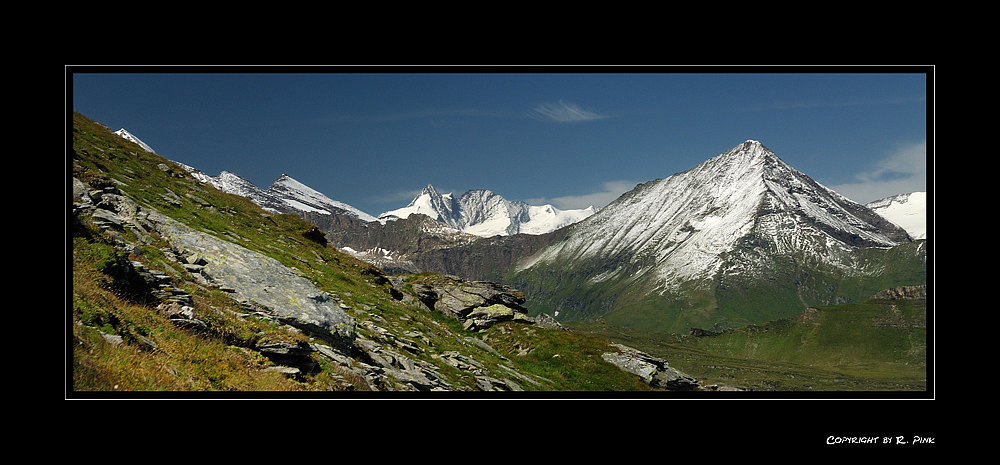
[[903, 293], [654, 371], [477, 304]]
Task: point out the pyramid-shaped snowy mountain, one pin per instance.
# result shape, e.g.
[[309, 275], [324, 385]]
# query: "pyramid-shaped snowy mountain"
[[485, 213], [735, 223], [301, 197]]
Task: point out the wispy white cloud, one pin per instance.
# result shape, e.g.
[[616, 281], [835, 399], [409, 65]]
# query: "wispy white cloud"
[[607, 193], [901, 171], [400, 197], [563, 112]]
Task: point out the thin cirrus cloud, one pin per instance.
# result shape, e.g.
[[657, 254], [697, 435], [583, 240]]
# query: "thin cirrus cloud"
[[901, 171], [563, 112]]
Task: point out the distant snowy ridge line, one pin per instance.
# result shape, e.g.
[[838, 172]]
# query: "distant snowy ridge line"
[[478, 212], [484, 213], [284, 194]]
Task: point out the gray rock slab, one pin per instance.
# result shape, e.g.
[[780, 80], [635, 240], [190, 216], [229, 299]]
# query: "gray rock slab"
[[262, 280]]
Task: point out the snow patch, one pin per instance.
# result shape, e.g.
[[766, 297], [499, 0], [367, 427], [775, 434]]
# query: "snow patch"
[[908, 211]]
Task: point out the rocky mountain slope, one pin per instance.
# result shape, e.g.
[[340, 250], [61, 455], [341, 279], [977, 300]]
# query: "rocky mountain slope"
[[179, 286], [713, 245]]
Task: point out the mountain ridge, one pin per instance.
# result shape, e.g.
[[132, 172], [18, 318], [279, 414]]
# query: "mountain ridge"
[[484, 213], [284, 195], [130, 137], [742, 237], [698, 224], [479, 212]]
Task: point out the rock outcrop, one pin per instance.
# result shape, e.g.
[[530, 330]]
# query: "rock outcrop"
[[903, 293], [477, 304], [653, 370], [254, 279], [380, 358]]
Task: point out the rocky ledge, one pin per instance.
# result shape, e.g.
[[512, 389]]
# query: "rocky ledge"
[[653, 370], [903, 293], [477, 304]]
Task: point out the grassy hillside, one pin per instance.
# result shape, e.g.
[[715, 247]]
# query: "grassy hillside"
[[121, 343], [876, 345], [787, 286]]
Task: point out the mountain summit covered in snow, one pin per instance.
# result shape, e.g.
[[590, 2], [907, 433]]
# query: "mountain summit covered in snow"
[[484, 213], [711, 242], [304, 198], [283, 196], [128, 136]]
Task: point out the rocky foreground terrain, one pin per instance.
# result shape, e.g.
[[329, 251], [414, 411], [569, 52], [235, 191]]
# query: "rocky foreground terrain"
[[371, 353]]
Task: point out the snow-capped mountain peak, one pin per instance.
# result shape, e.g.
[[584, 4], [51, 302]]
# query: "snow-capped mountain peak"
[[430, 202], [128, 136], [284, 195], [686, 226], [484, 213], [301, 197]]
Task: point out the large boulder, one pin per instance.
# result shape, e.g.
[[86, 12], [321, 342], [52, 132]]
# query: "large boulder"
[[458, 298], [477, 304], [653, 370]]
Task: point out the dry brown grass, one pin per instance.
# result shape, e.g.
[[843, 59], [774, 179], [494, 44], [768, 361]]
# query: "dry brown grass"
[[180, 361]]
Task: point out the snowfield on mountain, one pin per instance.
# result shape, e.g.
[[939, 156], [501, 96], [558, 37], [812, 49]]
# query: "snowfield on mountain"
[[484, 213], [909, 211], [680, 228]]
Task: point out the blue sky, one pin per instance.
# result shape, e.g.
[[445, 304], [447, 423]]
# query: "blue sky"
[[373, 138]]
